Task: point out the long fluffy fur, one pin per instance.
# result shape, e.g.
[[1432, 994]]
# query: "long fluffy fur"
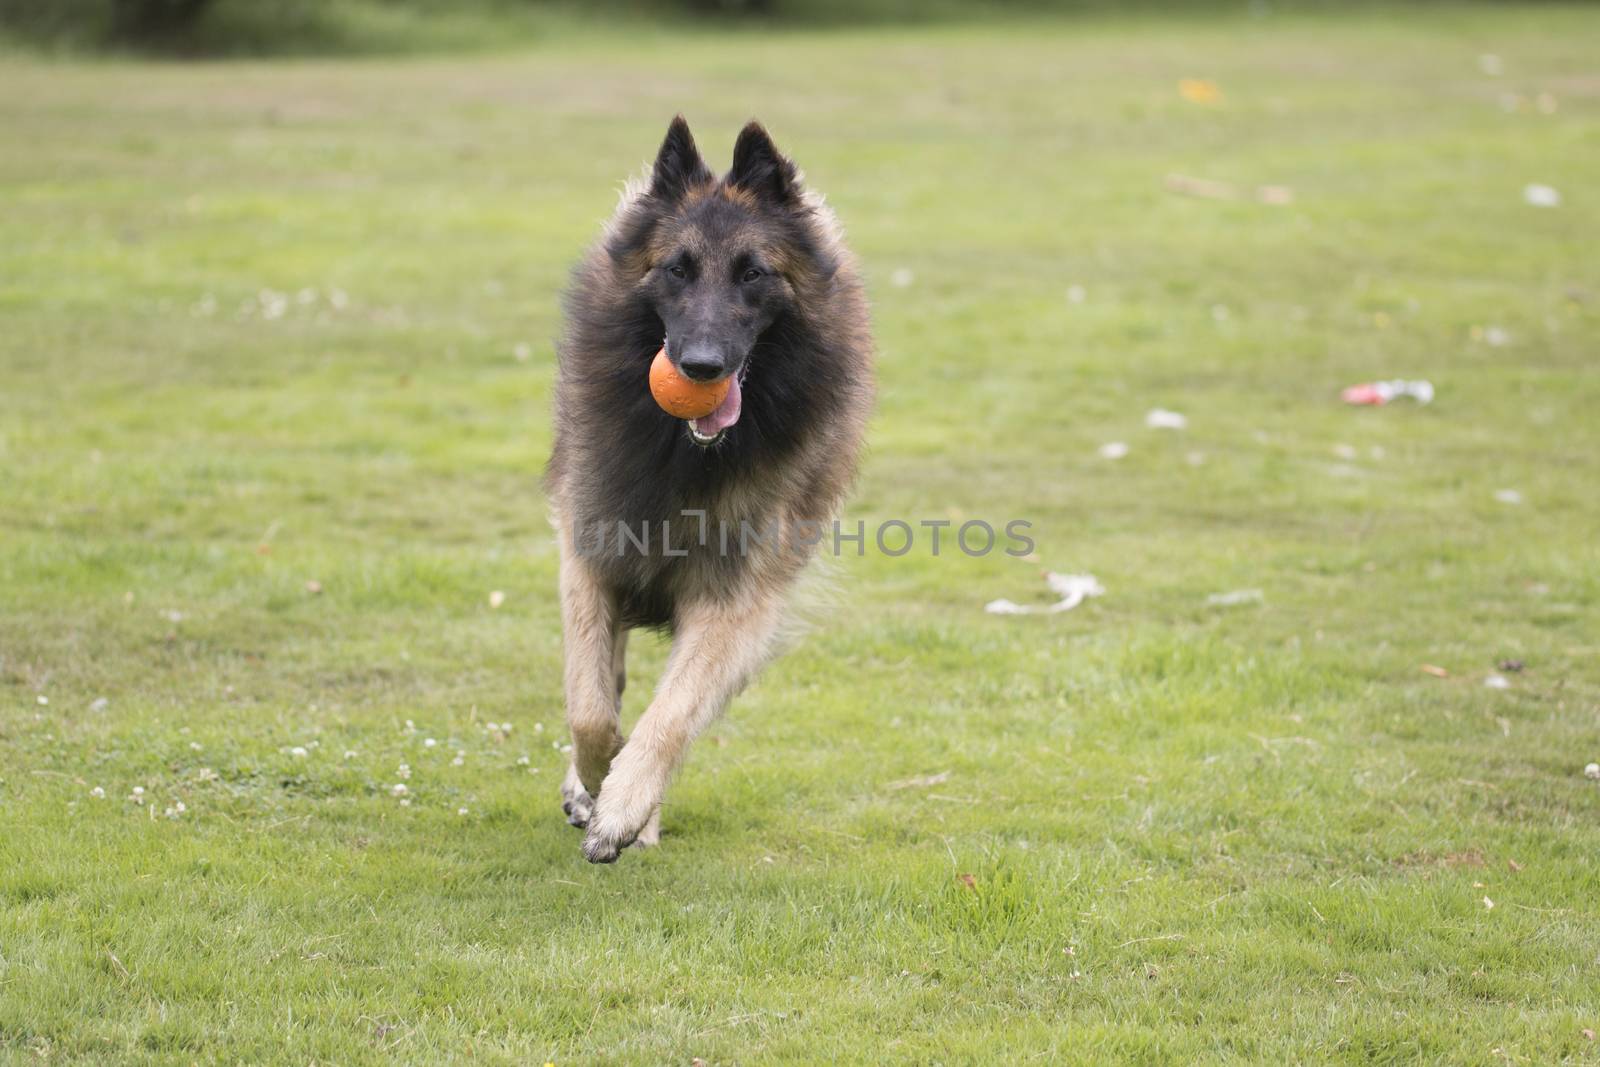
[[618, 458]]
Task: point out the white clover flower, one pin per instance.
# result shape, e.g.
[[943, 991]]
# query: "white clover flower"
[[349, 753], [429, 743], [523, 761], [538, 727], [461, 811], [97, 793], [398, 789], [460, 760], [404, 770], [298, 750]]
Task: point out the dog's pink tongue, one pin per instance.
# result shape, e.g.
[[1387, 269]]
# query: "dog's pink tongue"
[[726, 415]]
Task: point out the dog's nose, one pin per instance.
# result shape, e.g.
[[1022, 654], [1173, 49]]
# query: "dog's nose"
[[701, 363]]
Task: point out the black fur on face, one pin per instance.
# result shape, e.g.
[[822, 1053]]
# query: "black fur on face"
[[716, 259], [739, 275]]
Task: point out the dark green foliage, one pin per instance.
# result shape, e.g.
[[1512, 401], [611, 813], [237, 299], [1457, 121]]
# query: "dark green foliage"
[[154, 19]]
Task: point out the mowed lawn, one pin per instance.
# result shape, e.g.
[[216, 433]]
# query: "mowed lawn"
[[275, 369]]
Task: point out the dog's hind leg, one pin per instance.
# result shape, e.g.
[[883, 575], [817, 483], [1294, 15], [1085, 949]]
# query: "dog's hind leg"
[[592, 650], [717, 649]]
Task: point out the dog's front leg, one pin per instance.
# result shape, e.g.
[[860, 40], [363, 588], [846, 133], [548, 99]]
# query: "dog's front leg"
[[591, 645], [717, 648]]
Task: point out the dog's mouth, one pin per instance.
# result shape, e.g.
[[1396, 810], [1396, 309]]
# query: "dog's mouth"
[[707, 430]]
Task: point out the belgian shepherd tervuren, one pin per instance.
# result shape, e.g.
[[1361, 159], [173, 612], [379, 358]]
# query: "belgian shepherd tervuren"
[[670, 524]]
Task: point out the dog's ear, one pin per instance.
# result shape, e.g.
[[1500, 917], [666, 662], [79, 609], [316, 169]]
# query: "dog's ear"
[[678, 165], [759, 168]]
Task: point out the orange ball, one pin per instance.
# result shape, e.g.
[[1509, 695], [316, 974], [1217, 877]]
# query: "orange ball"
[[680, 397]]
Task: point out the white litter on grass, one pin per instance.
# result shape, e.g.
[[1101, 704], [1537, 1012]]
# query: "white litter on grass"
[[1508, 496], [1592, 771], [1162, 419], [1541, 195], [1073, 589], [1380, 393], [1113, 450], [1237, 596], [1497, 681]]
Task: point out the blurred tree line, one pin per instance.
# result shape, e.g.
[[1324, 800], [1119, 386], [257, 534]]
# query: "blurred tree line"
[[152, 18], [205, 27]]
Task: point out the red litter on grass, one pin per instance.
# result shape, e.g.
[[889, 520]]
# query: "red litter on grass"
[[1377, 394]]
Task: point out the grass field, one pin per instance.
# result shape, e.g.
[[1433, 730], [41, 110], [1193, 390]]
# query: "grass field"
[[275, 362]]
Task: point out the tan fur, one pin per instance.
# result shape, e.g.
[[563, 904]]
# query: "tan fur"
[[616, 789]]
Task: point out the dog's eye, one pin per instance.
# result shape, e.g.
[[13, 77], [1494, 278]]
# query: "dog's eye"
[[751, 275], [677, 271]]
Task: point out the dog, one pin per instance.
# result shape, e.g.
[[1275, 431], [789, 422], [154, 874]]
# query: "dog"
[[669, 524]]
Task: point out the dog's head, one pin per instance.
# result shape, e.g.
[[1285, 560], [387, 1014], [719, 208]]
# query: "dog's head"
[[719, 261]]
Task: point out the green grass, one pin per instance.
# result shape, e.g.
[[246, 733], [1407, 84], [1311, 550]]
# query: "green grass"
[[1225, 834]]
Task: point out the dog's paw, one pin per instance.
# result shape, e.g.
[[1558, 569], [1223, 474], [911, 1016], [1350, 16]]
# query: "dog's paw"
[[602, 848], [576, 803], [610, 833]]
